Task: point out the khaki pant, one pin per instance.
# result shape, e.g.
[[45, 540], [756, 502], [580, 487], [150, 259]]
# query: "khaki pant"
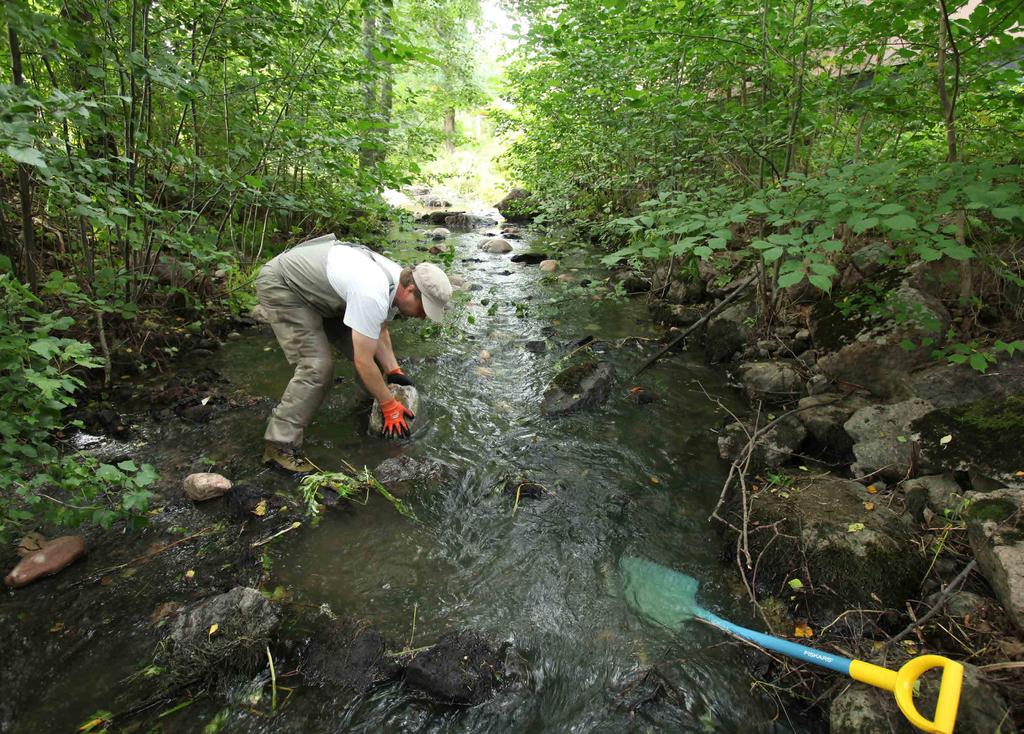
[[306, 337]]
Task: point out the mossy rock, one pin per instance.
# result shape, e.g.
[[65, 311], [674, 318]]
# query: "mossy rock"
[[986, 436], [583, 385], [851, 552]]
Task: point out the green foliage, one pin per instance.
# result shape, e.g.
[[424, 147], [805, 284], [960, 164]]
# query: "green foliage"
[[37, 383], [354, 488]]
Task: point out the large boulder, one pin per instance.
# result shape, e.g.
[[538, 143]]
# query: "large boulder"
[[985, 438], [728, 331], [854, 550], [54, 556], [995, 527], [408, 396], [824, 416], [467, 222], [869, 344], [953, 385], [862, 709], [775, 383], [462, 669], [773, 448], [581, 386], [517, 206], [439, 233], [678, 285], [884, 440]]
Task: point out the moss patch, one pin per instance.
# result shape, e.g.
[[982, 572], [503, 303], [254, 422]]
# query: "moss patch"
[[986, 435], [571, 377]]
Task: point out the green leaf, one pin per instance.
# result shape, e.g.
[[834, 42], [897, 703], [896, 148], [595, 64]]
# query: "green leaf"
[[792, 278], [862, 225], [28, 156], [128, 466], [795, 584], [901, 222], [979, 362], [820, 282], [887, 209]]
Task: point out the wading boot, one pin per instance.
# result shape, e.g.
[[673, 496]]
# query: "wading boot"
[[288, 460]]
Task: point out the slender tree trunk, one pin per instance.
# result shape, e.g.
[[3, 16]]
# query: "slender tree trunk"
[[794, 119], [366, 152], [24, 177], [449, 130]]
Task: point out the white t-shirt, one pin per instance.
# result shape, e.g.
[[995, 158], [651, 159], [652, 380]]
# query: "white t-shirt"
[[363, 286]]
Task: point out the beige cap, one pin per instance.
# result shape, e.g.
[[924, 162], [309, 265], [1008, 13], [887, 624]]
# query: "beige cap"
[[434, 288]]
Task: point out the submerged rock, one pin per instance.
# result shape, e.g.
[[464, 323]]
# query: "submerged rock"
[[995, 527], [408, 396], [203, 486], [53, 557], [440, 233], [851, 550], [579, 387], [462, 669], [346, 656], [225, 632], [401, 473], [529, 258]]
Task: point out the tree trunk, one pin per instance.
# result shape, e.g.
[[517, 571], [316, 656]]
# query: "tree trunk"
[[449, 130], [24, 178], [367, 157]]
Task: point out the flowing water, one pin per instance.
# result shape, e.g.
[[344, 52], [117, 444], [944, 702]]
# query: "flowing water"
[[622, 479]]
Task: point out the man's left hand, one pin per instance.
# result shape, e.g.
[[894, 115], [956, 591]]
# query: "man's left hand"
[[397, 377]]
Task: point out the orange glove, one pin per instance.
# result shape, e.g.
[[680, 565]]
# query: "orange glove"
[[394, 419]]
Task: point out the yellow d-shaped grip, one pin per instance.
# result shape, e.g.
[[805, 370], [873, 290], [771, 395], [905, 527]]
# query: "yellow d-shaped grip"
[[901, 683]]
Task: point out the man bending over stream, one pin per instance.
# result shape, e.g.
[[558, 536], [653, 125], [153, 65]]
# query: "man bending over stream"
[[325, 286]]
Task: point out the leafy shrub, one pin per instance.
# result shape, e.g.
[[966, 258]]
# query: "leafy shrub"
[[37, 383]]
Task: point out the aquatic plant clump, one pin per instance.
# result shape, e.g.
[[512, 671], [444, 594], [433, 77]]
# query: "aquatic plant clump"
[[348, 487]]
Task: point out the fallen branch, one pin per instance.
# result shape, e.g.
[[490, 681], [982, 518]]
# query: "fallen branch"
[[939, 604], [700, 322]]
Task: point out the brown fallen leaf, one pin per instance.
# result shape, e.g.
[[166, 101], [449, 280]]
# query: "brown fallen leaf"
[[802, 630], [869, 506], [872, 489]]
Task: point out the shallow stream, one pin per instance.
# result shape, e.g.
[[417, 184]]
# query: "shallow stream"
[[623, 479]]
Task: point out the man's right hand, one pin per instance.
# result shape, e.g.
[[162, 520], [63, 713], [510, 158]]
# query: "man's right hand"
[[395, 414], [397, 377]]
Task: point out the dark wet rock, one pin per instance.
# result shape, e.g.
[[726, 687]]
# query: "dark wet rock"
[[203, 486], [517, 205], [104, 450], [728, 332], [53, 557], [654, 696], [509, 235], [775, 383], [953, 385], [850, 551], [197, 413], [244, 621], [475, 287], [523, 487], [437, 217], [536, 346], [631, 281], [673, 314], [408, 396], [469, 221], [400, 474], [862, 709], [774, 447], [462, 669], [581, 386], [884, 441], [676, 285], [200, 354], [869, 351], [346, 656], [984, 437], [995, 527], [936, 493], [496, 246], [818, 384], [824, 416], [530, 258], [960, 604], [247, 502]]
